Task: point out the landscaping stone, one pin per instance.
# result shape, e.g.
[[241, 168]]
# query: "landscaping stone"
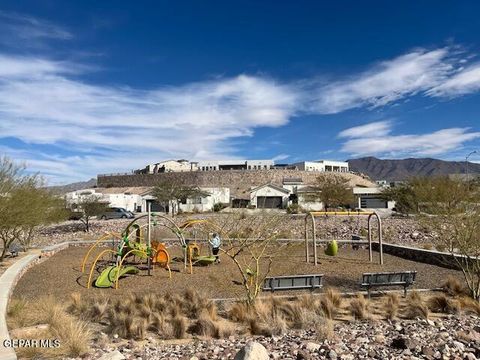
[[252, 351]]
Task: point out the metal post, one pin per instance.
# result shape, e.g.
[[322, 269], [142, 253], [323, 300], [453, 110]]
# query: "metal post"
[[307, 255], [315, 261], [149, 236], [369, 235], [380, 237]]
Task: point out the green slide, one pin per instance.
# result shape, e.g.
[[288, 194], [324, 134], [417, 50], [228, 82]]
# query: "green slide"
[[204, 260], [109, 275]]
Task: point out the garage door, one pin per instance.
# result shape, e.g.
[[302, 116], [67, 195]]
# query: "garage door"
[[269, 202], [373, 203]]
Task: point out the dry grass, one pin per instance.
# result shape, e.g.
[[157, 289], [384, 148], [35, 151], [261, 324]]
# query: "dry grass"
[[331, 303], [469, 305], [454, 287], [73, 334], [391, 305], [415, 307], [359, 307], [442, 304], [324, 330]]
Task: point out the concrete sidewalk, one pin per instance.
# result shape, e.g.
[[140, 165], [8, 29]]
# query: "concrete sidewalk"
[[8, 281]]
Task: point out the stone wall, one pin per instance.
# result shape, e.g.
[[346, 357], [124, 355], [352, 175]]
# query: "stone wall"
[[239, 181], [432, 257]]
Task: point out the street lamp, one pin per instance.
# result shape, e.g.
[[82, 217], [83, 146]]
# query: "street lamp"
[[466, 162]]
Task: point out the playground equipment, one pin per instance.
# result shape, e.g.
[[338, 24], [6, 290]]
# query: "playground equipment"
[[132, 243], [332, 247], [193, 254]]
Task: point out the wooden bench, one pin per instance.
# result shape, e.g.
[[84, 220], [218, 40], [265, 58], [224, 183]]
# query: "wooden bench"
[[401, 278], [293, 282]]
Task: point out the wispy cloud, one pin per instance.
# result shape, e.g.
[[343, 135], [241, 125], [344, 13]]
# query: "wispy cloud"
[[374, 129], [115, 128], [41, 104], [376, 139], [28, 27], [389, 81], [464, 82]]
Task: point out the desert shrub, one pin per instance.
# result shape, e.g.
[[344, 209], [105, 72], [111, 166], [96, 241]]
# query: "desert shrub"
[[359, 307], [205, 326], [469, 305], [427, 246], [415, 307], [454, 287], [238, 312], [179, 325], [324, 329], [442, 304], [15, 307], [294, 209], [218, 207], [331, 303], [390, 305]]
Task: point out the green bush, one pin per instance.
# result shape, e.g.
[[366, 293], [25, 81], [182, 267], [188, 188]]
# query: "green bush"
[[218, 207]]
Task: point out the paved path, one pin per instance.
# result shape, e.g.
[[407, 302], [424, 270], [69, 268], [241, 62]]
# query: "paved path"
[[7, 283]]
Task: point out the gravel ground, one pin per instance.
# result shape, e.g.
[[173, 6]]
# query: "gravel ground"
[[447, 338], [60, 275]]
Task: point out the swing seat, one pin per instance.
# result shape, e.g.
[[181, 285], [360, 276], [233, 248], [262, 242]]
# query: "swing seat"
[[332, 248]]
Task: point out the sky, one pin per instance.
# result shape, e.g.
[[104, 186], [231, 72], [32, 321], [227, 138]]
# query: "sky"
[[89, 87]]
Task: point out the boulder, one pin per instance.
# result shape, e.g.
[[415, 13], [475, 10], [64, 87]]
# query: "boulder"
[[252, 351], [114, 355]]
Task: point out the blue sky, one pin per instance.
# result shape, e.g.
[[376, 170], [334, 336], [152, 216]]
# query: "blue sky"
[[88, 88]]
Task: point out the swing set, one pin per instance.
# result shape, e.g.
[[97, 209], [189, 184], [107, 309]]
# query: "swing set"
[[332, 246]]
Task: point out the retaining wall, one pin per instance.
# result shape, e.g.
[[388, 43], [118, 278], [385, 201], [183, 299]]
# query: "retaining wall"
[[237, 180]]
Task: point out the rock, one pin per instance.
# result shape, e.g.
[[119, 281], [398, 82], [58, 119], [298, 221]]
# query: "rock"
[[252, 351], [114, 355], [303, 355], [404, 343], [332, 355], [312, 347]]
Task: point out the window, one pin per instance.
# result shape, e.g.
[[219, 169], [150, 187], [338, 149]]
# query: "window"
[[197, 200]]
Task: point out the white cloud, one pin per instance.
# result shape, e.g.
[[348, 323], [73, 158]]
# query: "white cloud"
[[362, 143], [464, 82], [389, 81], [28, 27], [379, 128], [40, 104], [110, 128]]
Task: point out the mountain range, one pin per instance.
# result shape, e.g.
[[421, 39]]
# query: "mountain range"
[[402, 169]]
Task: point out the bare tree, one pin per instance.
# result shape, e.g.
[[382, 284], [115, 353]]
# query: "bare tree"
[[252, 244]]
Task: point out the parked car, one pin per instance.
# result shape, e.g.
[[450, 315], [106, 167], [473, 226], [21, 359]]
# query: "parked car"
[[116, 213]]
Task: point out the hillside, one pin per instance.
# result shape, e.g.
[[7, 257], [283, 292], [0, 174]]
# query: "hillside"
[[401, 169], [62, 189]]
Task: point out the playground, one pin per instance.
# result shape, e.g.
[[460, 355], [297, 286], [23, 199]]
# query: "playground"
[[139, 261], [60, 275]]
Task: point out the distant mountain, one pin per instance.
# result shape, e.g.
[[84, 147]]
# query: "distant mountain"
[[378, 169], [62, 189]]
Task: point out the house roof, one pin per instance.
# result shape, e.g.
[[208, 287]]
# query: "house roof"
[[276, 187], [137, 190]]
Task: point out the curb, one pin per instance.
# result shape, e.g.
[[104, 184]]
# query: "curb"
[[8, 281]]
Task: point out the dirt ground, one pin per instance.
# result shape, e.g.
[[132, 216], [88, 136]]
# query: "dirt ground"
[[60, 275]]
